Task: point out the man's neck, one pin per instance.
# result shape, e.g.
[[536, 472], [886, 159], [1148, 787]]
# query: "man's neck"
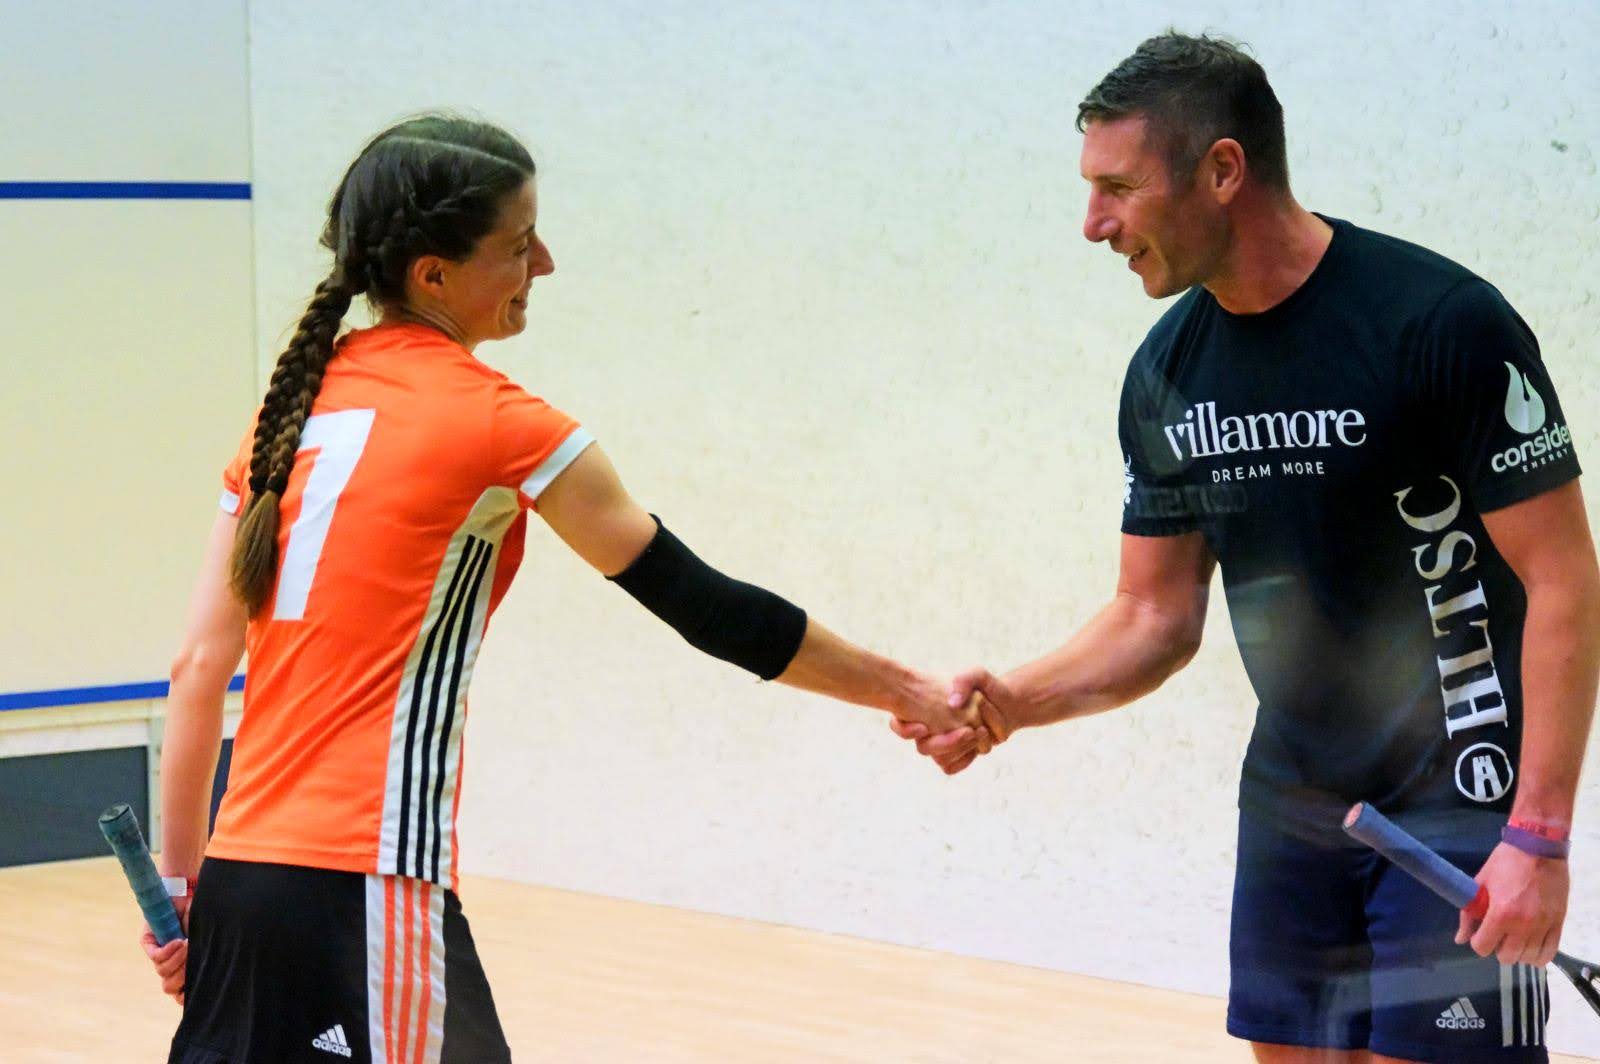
[[1276, 245]]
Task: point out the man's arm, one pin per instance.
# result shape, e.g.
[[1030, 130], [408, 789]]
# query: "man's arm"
[[588, 507], [1148, 631], [1546, 541]]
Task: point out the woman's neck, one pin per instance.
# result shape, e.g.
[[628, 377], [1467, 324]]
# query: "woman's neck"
[[429, 316]]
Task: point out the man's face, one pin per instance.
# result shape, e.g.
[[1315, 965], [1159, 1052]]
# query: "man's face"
[[1172, 234]]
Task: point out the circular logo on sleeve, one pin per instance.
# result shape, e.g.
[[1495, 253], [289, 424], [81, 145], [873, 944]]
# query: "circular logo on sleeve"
[[1483, 772]]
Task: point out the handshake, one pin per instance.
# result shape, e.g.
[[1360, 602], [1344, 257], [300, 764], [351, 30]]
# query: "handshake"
[[956, 723]]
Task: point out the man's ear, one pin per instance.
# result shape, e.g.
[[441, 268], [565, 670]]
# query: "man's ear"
[[1222, 170]]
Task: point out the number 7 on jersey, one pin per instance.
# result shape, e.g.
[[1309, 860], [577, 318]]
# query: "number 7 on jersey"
[[339, 438]]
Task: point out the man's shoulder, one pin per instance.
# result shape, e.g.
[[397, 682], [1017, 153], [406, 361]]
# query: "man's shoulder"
[[1401, 276]]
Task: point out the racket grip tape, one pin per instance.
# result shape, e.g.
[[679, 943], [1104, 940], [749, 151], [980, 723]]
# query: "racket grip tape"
[[1368, 825], [121, 829]]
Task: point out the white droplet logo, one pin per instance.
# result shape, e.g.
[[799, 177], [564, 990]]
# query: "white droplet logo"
[[1524, 406]]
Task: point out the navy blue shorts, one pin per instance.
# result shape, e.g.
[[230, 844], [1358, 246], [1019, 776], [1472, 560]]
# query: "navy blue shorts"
[[1333, 946]]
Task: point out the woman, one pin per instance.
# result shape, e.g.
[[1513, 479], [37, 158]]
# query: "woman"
[[371, 522]]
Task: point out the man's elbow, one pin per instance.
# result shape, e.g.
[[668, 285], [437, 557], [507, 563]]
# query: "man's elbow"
[[1572, 600], [1591, 595], [1183, 642], [1185, 652]]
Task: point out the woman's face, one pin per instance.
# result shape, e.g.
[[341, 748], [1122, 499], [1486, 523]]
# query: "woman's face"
[[487, 294]]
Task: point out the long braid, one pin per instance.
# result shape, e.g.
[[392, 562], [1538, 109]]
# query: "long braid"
[[296, 379]]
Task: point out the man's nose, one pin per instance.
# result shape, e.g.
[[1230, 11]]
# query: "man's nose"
[[1098, 225]]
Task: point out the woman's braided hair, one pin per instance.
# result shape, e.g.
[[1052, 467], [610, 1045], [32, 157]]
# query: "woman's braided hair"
[[432, 185]]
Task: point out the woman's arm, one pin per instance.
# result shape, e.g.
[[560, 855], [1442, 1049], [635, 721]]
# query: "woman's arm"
[[587, 506], [213, 644]]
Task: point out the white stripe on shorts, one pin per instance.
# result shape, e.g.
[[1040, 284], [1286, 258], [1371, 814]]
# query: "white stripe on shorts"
[[1505, 1005], [377, 946], [435, 970], [405, 970]]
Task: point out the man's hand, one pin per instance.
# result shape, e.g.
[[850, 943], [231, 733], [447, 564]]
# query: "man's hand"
[[1527, 906], [171, 959], [984, 722], [926, 704]]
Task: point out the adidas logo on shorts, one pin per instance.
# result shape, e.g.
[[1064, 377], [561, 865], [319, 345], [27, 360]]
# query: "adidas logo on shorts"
[[332, 1041], [1460, 1017]]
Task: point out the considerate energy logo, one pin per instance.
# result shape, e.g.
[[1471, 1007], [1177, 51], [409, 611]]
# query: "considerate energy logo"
[[1525, 413]]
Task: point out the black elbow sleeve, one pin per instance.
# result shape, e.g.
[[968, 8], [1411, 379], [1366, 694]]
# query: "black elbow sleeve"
[[729, 619]]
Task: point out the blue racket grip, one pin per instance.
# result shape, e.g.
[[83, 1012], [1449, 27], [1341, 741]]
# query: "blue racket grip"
[[121, 829], [1440, 876]]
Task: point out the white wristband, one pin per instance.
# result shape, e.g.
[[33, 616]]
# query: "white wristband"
[[177, 886]]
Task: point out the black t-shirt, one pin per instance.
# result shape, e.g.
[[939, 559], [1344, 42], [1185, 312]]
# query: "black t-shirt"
[[1336, 452]]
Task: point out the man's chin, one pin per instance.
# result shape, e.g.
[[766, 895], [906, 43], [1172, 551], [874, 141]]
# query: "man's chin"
[[1162, 287]]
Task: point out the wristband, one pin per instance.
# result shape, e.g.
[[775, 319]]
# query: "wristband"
[[178, 886], [1544, 831], [1534, 844]]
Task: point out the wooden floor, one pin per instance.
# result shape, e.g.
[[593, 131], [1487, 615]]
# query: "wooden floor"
[[585, 979]]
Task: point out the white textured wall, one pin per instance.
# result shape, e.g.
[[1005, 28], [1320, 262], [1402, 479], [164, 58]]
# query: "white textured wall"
[[821, 293], [122, 321]]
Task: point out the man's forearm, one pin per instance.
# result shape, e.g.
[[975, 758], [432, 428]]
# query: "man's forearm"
[[1560, 664], [1126, 651]]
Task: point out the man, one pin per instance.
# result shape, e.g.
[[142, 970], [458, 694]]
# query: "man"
[[1364, 437]]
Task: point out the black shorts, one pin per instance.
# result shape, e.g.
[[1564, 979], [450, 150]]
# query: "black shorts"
[[1334, 946], [290, 964]]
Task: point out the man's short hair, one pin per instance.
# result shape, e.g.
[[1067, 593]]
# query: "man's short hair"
[[1194, 91]]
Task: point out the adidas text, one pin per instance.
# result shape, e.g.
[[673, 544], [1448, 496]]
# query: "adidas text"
[[332, 1041], [1453, 1023], [1460, 1016]]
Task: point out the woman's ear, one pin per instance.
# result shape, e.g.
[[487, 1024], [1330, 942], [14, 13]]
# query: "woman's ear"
[[425, 276]]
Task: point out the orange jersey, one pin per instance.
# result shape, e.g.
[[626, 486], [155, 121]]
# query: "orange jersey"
[[399, 532]]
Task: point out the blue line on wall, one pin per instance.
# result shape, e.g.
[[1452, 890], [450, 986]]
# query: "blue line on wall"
[[77, 696], [125, 190]]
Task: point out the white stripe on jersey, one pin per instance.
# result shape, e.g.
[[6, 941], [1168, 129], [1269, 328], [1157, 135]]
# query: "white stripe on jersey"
[[429, 713], [446, 699], [448, 764], [559, 459]]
